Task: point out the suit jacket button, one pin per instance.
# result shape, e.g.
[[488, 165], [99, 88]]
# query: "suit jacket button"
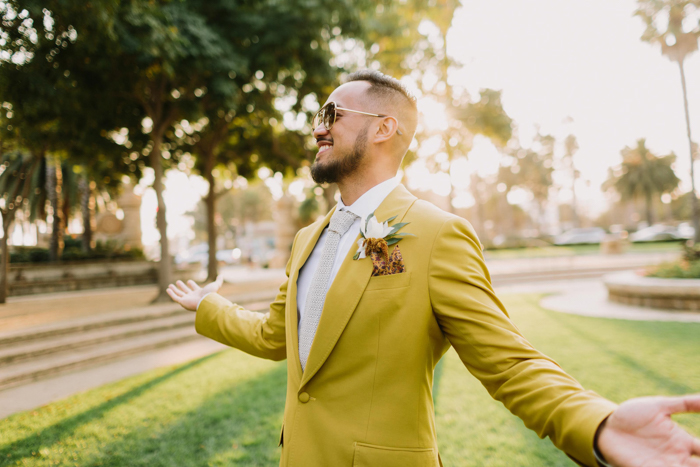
[[304, 397]]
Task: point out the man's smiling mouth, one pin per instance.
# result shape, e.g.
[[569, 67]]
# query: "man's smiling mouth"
[[324, 146]]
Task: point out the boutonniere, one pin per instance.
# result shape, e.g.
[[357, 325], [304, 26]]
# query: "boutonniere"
[[378, 236]]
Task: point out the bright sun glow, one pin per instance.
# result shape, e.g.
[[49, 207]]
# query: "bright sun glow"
[[432, 113]]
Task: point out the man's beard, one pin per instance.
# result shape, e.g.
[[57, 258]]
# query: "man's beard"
[[335, 170]]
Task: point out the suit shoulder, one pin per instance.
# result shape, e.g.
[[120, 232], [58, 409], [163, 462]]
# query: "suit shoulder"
[[430, 215], [428, 212]]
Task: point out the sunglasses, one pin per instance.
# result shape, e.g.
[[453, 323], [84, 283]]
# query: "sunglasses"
[[328, 113]]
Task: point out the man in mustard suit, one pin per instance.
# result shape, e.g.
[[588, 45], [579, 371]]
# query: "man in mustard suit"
[[378, 290]]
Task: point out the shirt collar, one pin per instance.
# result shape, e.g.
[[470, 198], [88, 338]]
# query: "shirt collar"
[[371, 199]]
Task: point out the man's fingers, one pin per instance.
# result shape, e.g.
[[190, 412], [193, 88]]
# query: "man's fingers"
[[170, 292], [681, 404], [193, 285], [696, 447], [176, 291], [183, 287]]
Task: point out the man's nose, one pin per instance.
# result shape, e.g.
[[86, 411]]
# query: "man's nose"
[[320, 130]]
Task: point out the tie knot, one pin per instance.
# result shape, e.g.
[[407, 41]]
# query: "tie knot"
[[341, 221]]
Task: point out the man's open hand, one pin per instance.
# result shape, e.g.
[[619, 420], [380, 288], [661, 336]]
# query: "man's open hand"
[[190, 295], [640, 433]]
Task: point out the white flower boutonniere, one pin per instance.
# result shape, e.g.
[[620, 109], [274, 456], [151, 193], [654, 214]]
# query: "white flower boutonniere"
[[378, 236]]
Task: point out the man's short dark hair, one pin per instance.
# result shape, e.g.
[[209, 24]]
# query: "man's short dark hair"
[[388, 94], [383, 86]]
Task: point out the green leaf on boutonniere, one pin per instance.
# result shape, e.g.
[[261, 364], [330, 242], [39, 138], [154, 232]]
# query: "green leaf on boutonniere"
[[393, 241], [371, 215], [390, 219], [396, 227], [357, 255]]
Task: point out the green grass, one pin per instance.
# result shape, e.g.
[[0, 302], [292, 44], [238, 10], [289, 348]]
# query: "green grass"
[[227, 409], [537, 252]]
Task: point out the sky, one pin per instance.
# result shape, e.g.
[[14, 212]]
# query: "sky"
[[555, 59]]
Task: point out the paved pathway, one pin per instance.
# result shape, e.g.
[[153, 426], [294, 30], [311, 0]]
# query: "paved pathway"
[[589, 297], [44, 311], [35, 310]]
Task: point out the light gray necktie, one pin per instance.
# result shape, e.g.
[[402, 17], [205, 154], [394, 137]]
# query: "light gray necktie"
[[340, 223]]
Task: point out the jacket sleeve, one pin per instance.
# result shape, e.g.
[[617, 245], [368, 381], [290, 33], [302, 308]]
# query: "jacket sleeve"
[[259, 334], [530, 384]]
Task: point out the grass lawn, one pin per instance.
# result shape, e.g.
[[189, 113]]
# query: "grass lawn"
[[227, 409], [538, 252]]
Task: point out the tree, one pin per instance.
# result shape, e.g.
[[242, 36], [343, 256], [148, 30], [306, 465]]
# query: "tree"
[[675, 26], [570, 148], [276, 44], [419, 55], [21, 178], [531, 169], [49, 78], [643, 175]]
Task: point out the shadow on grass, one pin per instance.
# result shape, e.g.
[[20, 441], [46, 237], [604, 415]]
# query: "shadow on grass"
[[65, 428], [236, 426], [642, 368]]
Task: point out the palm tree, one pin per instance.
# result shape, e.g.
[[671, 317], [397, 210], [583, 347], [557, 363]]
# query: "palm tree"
[[22, 179], [675, 25], [643, 175], [571, 146]]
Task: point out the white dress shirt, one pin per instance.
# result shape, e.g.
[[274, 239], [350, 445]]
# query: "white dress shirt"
[[365, 205]]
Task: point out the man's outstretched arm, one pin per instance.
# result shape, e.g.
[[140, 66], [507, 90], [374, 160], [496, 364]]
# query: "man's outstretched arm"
[[262, 335], [533, 386]]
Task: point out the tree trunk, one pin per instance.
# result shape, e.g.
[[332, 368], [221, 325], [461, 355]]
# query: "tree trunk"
[[693, 198], [165, 264], [55, 191], [210, 201], [574, 213], [649, 205], [6, 224], [87, 208]]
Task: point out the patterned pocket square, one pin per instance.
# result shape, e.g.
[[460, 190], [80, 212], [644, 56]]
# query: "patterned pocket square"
[[382, 267]]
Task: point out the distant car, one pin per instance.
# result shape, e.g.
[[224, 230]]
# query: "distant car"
[[580, 236], [196, 254], [228, 256], [657, 233], [686, 230]]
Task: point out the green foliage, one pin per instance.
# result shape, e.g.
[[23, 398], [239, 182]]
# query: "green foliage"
[[686, 268], [677, 270], [308, 209], [679, 37], [691, 252], [643, 175], [531, 169], [487, 117], [73, 252]]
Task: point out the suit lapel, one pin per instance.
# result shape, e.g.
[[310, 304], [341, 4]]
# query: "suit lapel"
[[307, 244], [347, 288]]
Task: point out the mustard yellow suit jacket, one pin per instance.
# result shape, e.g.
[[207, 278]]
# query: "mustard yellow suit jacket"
[[365, 398]]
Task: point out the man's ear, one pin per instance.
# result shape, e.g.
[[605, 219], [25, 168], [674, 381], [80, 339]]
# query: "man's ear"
[[386, 129]]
